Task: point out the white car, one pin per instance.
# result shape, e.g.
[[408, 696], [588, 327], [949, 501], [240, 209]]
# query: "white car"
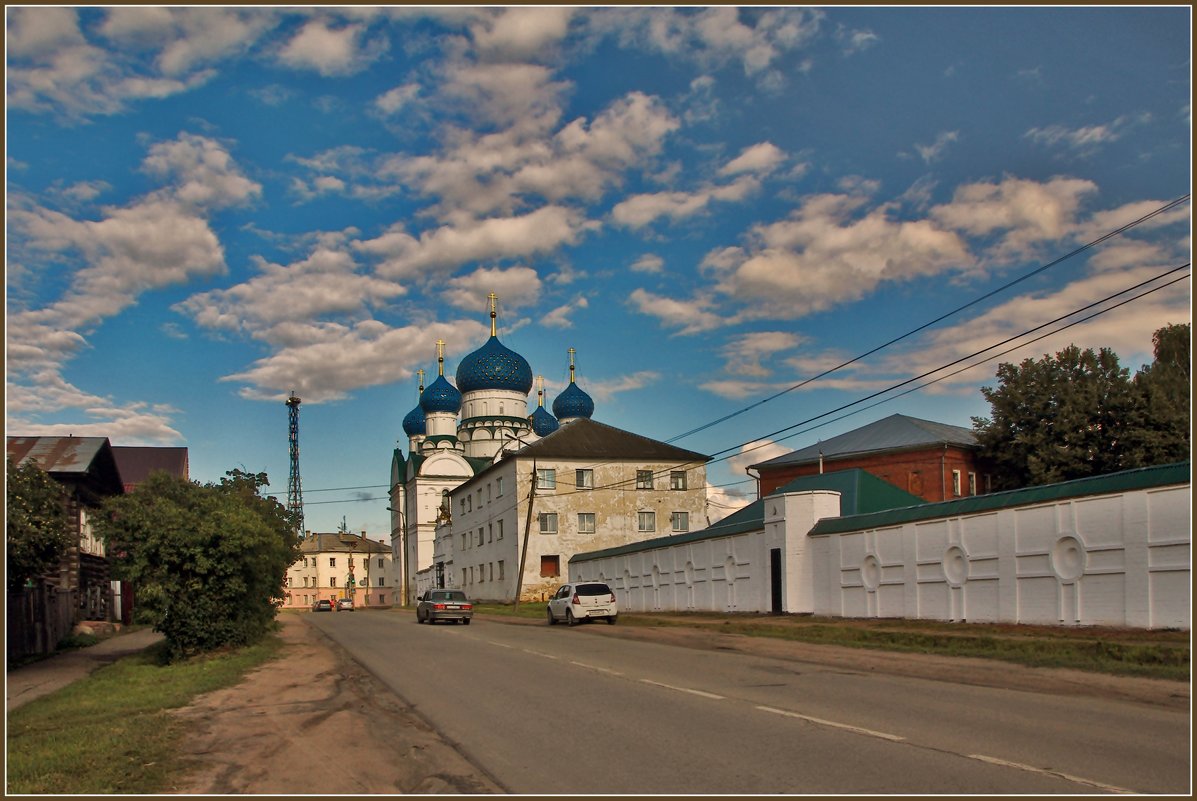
[[584, 600]]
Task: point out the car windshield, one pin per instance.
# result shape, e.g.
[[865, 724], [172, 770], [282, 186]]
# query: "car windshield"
[[448, 595], [593, 589]]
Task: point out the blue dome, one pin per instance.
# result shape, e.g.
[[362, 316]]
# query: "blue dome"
[[415, 424], [573, 402], [494, 366], [542, 422], [441, 397]]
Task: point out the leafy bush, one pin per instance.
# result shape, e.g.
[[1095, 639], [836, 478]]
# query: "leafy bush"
[[208, 561]]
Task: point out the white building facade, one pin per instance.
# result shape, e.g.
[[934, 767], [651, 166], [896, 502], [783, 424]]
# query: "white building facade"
[[342, 565]]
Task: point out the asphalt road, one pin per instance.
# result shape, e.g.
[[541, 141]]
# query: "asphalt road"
[[567, 710]]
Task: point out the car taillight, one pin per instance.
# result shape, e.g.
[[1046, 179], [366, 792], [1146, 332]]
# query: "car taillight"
[[612, 597], [467, 606], [438, 606], [575, 599]]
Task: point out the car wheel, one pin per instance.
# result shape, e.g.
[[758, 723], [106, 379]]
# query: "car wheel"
[[570, 619], [552, 620], [611, 620], [466, 621]]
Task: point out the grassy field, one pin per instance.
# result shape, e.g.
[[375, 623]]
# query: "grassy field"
[[1163, 654], [112, 732]]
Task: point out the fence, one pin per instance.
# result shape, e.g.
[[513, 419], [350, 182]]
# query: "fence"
[[38, 619]]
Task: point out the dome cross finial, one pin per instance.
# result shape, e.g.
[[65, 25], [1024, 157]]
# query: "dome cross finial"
[[420, 373], [540, 391], [440, 357], [571, 365], [493, 298]]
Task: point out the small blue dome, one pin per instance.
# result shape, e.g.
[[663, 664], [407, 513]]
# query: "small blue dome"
[[494, 366], [573, 402], [542, 422], [415, 424], [441, 397]]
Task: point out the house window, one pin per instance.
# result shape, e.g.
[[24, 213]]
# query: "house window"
[[480, 541], [463, 506], [500, 570], [332, 561], [677, 480], [380, 564], [332, 582], [305, 562], [972, 483], [382, 597], [548, 522], [584, 479], [586, 522], [550, 566], [490, 532], [499, 487], [382, 582], [469, 503], [463, 540], [463, 576], [680, 521], [644, 479], [646, 521], [546, 478], [479, 497], [956, 483], [490, 571], [488, 491], [500, 529]]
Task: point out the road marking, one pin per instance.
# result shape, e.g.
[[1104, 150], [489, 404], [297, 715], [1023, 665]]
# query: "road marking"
[[1109, 788], [683, 689], [501, 644], [869, 732], [538, 653], [599, 669]]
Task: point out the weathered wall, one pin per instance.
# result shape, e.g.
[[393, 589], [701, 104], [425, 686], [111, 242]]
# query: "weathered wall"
[[1120, 560]]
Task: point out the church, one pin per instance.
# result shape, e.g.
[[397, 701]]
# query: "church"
[[495, 500]]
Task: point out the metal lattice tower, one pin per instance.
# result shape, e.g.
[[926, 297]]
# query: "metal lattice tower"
[[294, 484]]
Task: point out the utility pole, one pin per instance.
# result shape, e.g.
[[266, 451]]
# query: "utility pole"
[[519, 576]]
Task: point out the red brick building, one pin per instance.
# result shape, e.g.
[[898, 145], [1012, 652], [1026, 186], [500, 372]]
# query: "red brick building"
[[934, 461]]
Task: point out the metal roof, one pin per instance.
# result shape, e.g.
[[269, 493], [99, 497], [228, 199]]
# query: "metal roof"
[[137, 462], [584, 438], [85, 462], [896, 432], [1142, 478], [859, 491], [341, 542]]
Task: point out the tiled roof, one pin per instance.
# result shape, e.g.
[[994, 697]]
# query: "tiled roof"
[[338, 542], [588, 439], [896, 432]]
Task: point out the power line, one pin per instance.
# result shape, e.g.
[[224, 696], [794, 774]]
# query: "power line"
[[941, 318]]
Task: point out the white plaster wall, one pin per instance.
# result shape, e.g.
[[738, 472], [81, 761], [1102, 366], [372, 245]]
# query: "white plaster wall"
[[725, 574], [1119, 560]]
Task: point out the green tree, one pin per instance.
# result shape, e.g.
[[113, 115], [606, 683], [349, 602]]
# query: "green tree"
[[1080, 414], [1165, 386], [207, 561], [1057, 418], [38, 526]]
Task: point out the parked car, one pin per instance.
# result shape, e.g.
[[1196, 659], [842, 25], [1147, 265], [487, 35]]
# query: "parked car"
[[323, 605], [345, 605], [584, 600], [436, 605]]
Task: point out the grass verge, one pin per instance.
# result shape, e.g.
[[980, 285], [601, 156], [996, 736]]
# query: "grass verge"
[[1161, 654], [112, 732]]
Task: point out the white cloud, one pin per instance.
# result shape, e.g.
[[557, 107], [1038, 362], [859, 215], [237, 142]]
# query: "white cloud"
[[604, 391], [762, 157], [1025, 213], [559, 317], [746, 352], [329, 51], [855, 40], [641, 210], [648, 263], [521, 33], [515, 286], [203, 172], [689, 316], [934, 151], [395, 99], [755, 452], [446, 247], [37, 32], [1087, 139]]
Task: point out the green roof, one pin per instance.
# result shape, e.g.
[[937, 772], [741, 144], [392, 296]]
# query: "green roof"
[[859, 492], [1142, 478]]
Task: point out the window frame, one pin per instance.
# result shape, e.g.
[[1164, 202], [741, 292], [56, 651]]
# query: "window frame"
[[544, 517], [642, 517], [677, 480], [546, 478], [645, 480], [590, 519]]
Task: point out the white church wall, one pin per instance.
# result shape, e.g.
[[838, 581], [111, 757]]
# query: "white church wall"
[[1121, 560]]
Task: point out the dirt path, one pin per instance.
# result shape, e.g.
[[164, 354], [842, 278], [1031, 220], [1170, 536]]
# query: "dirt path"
[[316, 723], [332, 728]]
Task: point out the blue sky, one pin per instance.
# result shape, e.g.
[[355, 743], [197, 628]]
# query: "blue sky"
[[211, 207]]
